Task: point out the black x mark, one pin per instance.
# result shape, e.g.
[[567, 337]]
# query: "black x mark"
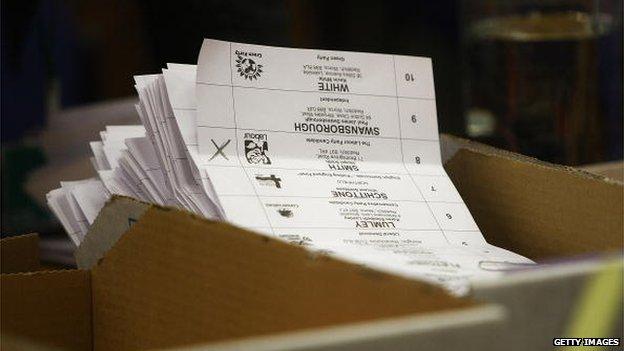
[[220, 149]]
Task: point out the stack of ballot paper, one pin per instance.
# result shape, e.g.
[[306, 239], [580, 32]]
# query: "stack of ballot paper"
[[336, 151]]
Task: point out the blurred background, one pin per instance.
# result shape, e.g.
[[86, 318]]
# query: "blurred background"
[[543, 78]]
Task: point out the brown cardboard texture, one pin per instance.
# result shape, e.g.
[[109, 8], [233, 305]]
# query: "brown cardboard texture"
[[19, 254], [48, 309], [110, 224], [536, 209], [165, 278], [176, 279]]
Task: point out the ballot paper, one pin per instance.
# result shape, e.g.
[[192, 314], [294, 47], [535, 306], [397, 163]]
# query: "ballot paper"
[[335, 151], [338, 151]]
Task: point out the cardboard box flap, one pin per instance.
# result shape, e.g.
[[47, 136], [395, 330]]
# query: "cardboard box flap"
[[46, 310], [450, 145], [534, 208], [544, 303], [466, 329], [176, 279], [19, 254], [110, 224]]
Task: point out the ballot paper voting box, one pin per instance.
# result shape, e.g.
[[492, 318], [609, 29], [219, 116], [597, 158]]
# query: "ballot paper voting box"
[[159, 278]]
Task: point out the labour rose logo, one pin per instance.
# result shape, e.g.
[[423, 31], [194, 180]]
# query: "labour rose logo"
[[248, 68], [256, 152]]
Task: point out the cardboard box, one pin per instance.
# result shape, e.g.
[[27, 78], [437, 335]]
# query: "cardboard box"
[[158, 278], [613, 169]]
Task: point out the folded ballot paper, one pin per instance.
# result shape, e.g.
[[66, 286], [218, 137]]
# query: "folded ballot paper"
[[336, 151]]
